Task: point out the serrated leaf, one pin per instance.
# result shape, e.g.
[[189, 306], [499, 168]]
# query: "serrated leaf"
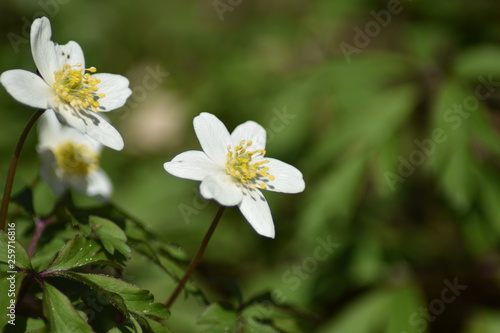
[[136, 300], [111, 236], [77, 252], [112, 297], [60, 313], [9, 246]]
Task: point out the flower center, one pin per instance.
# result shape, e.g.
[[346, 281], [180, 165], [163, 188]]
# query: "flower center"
[[77, 88], [76, 158], [240, 167]]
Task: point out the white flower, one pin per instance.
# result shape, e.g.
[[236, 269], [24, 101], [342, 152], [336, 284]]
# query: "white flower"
[[68, 87], [232, 169], [70, 159]]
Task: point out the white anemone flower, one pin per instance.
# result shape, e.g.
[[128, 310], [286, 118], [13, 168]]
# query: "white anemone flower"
[[232, 169], [70, 159], [66, 86]]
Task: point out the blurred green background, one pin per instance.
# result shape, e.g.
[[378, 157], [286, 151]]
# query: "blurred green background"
[[391, 109]]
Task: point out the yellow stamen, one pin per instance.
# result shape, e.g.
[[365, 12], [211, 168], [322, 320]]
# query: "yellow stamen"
[[76, 158], [243, 171], [77, 88]]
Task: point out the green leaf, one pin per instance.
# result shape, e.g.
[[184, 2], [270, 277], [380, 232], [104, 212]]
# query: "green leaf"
[[481, 60], [367, 264], [367, 314], [342, 184], [155, 326], [12, 252], [111, 236], [365, 127], [217, 313], [36, 326], [122, 329], [269, 317], [137, 326], [134, 299], [79, 251], [44, 255], [61, 314], [450, 157], [405, 303]]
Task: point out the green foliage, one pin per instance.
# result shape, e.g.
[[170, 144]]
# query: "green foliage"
[[60, 313]]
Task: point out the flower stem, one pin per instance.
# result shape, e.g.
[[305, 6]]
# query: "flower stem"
[[13, 166], [196, 258], [40, 225]]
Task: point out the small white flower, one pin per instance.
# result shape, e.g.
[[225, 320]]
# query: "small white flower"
[[68, 87], [70, 159], [232, 169]]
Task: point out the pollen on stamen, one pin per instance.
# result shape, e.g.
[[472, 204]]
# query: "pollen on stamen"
[[239, 165], [77, 88]]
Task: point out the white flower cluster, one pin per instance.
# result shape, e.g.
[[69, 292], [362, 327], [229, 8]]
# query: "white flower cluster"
[[232, 168]]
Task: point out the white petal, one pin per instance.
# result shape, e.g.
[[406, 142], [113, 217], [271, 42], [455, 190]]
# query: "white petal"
[[213, 136], [92, 124], [71, 54], [43, 49], [27, 88], [221, 188], [99, 185], [49, 130], [116, 91], [193, 164], [48, 173], [287, 178], [250, 131], [255, 209], [78, 183]]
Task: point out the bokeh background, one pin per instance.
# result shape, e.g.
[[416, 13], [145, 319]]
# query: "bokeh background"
[[389, 108]]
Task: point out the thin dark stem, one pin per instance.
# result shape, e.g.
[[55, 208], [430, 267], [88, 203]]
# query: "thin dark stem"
[[40, 225], [13, 166], [196, 258]]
